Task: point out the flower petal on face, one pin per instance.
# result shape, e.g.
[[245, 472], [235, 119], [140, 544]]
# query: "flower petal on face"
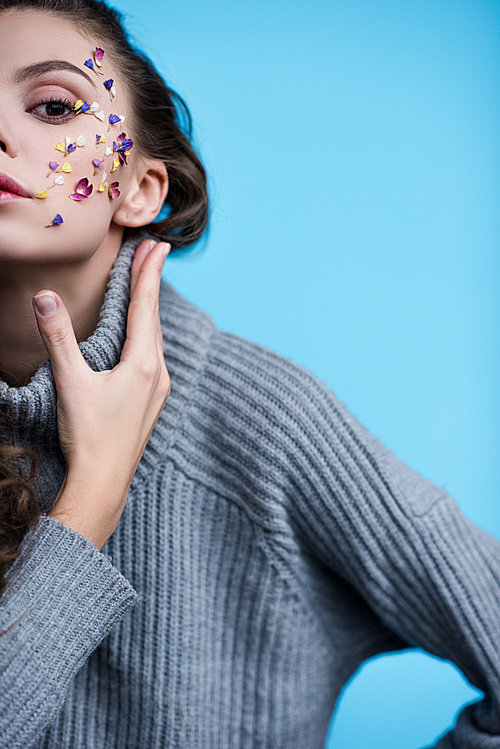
[[89, 64], [97, 165], [112, 91], [99, 115], [71, 148], [80, 141], [59, 180], [100, 139], [61, 148], [108, 151], [113, 119], [113, 190], [98, 55], [56, 221], [95, 106], [78, 196], [43, 194], [78, 104], [108, 84], [53, 165], [103, 184], [66, 167], [83, 187], [116, 164]]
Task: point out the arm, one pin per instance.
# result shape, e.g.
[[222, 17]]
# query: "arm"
[[63, 597], [428, 572]]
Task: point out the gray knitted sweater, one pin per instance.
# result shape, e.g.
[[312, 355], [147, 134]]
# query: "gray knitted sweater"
[[268, 546]]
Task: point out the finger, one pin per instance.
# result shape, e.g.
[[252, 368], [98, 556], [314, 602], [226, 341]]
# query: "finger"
[[159, 340], [140, 255], [143, 314], [56, 329]]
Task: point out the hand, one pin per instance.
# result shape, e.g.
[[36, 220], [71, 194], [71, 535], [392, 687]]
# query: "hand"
[[105, 418]]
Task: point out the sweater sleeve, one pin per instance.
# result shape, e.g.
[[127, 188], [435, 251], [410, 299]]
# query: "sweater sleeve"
[[63, 597], [429, 573]]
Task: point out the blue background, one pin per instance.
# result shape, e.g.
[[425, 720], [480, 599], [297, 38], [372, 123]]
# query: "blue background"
[[353, 151]]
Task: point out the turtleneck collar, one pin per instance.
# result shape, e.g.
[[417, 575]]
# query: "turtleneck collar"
[[30, 412]]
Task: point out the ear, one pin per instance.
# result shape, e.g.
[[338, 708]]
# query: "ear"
[[145, 195]]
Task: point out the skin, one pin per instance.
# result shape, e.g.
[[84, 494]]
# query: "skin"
[[74, 259]]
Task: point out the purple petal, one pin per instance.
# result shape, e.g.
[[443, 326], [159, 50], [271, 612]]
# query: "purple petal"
[[84, 188], [71, 148], [53, 165], [113, 190], [97, 163], [113, 118], [78, 196], [107, 84], [84, 107], [89, 63], [99, 54], [57, 220], [115, 146]]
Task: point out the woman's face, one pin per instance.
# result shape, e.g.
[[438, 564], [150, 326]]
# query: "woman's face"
[[43, 59]]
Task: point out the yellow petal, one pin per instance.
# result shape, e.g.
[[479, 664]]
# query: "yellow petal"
[[61, 148], [116, 164], [66, 167], [78, 104], [103, 139], [43, 194], [101, 187]]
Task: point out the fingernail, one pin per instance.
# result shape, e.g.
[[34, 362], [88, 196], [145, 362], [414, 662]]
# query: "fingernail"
[[46, 304], [149, 246], [166, 250]]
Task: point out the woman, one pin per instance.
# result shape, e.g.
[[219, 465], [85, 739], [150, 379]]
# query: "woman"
[[258, 542]]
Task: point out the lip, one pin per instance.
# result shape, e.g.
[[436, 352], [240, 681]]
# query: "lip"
[[10, 186]]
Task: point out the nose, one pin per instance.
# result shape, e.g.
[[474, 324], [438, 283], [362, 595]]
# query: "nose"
[[8, 139]]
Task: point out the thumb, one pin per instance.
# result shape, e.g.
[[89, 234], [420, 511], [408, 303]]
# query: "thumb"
[[56, 329]]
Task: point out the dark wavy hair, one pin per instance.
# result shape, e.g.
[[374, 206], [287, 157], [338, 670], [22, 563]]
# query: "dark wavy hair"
[[162, 128]]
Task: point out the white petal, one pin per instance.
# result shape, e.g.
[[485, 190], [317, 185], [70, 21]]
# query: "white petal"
[[59, 180], [95, 106], [109, 151], [80, 141], [99, 115]]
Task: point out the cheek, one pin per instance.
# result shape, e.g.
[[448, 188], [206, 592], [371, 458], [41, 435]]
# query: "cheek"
[[84, 176]]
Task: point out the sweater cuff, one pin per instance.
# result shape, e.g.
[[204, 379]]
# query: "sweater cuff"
[[67, 596]]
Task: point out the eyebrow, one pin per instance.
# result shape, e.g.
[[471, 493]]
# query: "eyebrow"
[[39, 68]]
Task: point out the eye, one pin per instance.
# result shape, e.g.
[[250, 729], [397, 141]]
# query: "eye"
[[53, 109]]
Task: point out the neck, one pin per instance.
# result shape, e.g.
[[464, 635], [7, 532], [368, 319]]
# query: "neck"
[[80, 284]]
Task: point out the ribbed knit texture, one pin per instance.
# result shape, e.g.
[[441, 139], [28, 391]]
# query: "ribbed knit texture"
[[268, 546]]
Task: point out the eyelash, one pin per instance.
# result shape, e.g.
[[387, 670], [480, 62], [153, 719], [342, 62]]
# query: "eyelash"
[[54, 100]]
